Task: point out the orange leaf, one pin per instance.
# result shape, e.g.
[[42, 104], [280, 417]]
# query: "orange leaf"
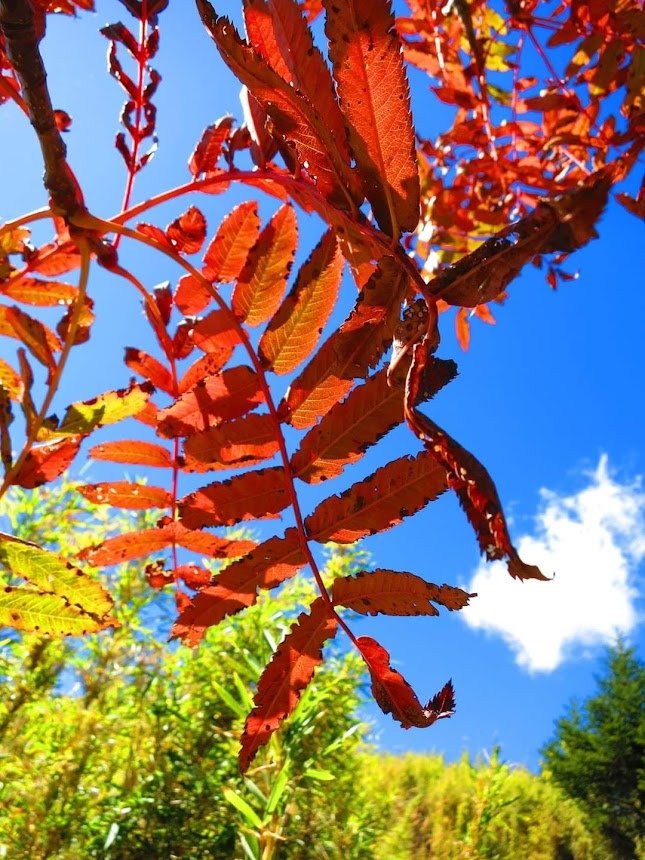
[[260, 286], [39, 340], [395, 593], [148, 367], [395, 696], [295, 328], [253, 495], [47, 462], [375, 100], [208, 365], [123, 494], [10, 380], [216, 335], [208, 544], [289, 672], [215, 399], [137, 452], [31, 291], [191, 296], [237, 234], [187, 233], [352, 350], [393, 492], [234, 444], [462, 328]]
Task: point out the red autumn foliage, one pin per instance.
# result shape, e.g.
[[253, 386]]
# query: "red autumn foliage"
[[523, 172]]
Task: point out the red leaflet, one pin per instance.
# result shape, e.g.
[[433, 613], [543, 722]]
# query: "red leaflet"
[[375, 100], [562, 224], [234, 444], [207, 365], [39, 340], [207, 544], [237, 234], [126, 547], [211, 401], [395, 696], [393, 492], [351, 427], [391, 592], [136, 452], [123, 494], [188, 232], [253, 495], [293, 333], [260, 286], [147, 366], [283, 681], [191, 296], [235, 588], [299, 62], [209, 148], [216, 335], [294, 118], [467, 477], [47, 462]]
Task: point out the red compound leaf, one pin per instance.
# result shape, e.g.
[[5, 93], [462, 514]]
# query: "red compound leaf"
[[395, 696], [283, 681]]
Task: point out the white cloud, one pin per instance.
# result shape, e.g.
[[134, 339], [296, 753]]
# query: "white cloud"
[[593, 542]]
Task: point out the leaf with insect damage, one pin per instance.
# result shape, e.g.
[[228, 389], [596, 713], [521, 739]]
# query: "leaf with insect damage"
[[254, 495], [465, 475], [292, 334], [40, 340], [391, 592], [236, 587], [124, 494], [109, 408], [375, 100], [259, 288], [212, 401], [149, 367], [562, 224], [51, 574], [395, 696], [34, 611], [295, 119], [283, 681], [352, 426], [384, 499], [47, 462], [209, 148], [233, 444], [188, 232], [136, 452]]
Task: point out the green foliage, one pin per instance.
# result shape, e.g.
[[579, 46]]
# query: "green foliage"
[[125, 748], [488, 811], [598, 753]]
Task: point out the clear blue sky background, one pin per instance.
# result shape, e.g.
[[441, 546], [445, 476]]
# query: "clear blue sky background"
[[540, 396]]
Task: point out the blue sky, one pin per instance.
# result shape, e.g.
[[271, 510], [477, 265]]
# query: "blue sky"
[[550, 399]]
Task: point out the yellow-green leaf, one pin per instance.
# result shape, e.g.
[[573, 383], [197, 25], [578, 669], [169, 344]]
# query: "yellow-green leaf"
[[51, 574], [83, 417], [33, 611]]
